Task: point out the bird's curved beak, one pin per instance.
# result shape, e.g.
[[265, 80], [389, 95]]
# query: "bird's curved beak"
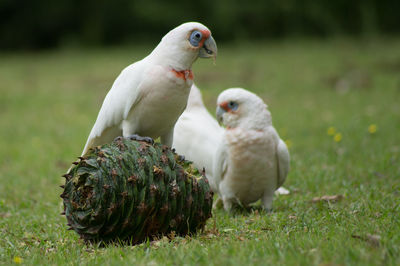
[[220, 113], [209, 48]]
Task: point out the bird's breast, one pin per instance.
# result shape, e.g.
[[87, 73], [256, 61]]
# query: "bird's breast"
[[163, 101], [252, 163]]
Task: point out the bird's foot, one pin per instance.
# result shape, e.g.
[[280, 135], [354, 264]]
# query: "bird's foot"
[[140, 138], [227, 205], [118, 139]]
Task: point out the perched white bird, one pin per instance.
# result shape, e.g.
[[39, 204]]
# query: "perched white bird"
[[197, 134], [148, 96], [251, 161]]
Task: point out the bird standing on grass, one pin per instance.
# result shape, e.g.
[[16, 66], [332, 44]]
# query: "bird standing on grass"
[[251, 161], [149, 96]]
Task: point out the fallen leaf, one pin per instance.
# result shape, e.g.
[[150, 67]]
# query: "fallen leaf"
[[374, 240], [241, 238], [156, 244], [379, 175], [266, 228], [211, 235], [313, 250], [172, 235], [250, 221], [292, 217], [89, 250], [5, 214], [49, 250], [327, 198]]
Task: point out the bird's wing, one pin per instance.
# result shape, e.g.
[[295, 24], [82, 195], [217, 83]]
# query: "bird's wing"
[[283, 162], [197, 134], [195, 100], [220, 164], [122, 97]]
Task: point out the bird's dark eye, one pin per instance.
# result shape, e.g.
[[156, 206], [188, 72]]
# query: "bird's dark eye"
[[195, 38], [233, 106]]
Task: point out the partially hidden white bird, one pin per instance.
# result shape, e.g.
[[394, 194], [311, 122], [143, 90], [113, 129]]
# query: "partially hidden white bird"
[[251, 161], [197, 136], [148, 96]]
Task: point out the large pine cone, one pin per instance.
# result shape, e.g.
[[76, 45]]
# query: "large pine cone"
[[131, 190]]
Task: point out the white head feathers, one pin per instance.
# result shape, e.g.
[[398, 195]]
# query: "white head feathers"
[[175, 49], [237, 107]]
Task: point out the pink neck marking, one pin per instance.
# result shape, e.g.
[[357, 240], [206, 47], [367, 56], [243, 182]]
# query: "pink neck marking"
[[183, 74]]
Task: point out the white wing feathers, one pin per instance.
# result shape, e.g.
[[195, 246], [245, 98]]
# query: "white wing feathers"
[[220, 166], [283, 162], [197, 134], [122, 97]]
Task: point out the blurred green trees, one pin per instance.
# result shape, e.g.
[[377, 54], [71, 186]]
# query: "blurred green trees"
[[27, 24]]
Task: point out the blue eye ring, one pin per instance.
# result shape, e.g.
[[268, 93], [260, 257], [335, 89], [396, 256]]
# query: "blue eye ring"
[[195, 38], [233, 106]]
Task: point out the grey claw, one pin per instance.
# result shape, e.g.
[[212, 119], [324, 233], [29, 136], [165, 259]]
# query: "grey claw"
[[118, 138], [140, 138]]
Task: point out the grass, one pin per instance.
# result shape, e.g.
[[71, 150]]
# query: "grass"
[[49, 102]]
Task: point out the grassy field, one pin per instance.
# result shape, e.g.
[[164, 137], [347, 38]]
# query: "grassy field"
[[49, 102]]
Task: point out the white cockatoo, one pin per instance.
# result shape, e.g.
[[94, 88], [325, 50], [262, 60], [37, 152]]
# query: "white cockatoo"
[[197, 134], [251, 161], [148, 96]]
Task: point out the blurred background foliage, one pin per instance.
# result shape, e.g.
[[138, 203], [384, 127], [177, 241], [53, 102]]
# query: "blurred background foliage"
[[40, 24]]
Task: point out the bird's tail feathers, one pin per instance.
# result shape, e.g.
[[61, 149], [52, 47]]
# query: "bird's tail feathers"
[[195, 99]]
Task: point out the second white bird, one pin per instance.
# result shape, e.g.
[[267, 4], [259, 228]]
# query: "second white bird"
[[251, 161]]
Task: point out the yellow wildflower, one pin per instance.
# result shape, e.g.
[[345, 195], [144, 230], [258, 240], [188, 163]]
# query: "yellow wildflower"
[[331, 131], [337, 137], [372, 128], [288, 143], [17, 260]]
